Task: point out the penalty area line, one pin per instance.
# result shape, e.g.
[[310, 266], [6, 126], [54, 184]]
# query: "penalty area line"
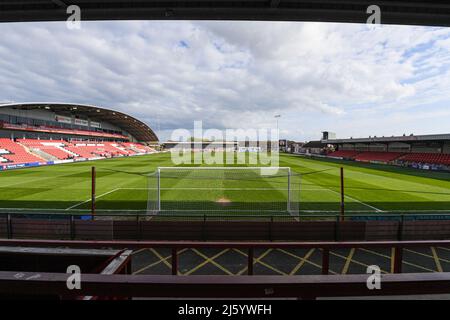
[[353, 199], [90, 199], [305, 211], [225, 189]]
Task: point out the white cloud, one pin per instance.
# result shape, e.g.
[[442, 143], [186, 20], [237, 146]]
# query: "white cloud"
[[353, 79]]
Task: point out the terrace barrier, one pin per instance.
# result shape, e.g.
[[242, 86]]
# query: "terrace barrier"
[[216, 228], [176, 246], [306, 287]]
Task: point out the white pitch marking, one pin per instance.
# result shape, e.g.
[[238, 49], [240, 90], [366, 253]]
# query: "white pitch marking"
[[367, 205], [237, 189], [307, 211], [351, 198], [104, 194]]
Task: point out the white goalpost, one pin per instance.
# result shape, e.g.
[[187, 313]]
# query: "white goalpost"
[[222, 190]]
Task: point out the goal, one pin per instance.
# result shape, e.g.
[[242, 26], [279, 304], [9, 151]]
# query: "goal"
[[221, 190]]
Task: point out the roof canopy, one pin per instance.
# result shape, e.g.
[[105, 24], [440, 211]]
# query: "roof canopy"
[[405, 138], [315, 144]]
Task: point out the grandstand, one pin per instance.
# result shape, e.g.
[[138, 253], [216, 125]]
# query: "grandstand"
[[126, 256], [378, 156], [443, 159], [431, 152], [345, 154], [16, 153], [34, 134]]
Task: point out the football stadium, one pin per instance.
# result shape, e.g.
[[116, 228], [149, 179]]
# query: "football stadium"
[[95, 205], [128, 184], [74, 172]]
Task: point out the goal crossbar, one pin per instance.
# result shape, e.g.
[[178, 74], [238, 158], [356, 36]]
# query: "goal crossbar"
[[224, 168], [219, 189]]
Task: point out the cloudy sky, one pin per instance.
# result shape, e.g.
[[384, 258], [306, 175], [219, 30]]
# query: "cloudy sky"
[[355, 80]]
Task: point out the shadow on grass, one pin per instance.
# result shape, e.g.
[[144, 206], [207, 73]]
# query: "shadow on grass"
[[192, 207]]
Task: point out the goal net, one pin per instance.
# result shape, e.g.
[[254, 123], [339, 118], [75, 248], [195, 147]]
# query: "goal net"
[[220, 190]]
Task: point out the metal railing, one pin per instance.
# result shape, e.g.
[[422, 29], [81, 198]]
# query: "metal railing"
[[305, 287], [140, 226], [249, 247], [268, 287]]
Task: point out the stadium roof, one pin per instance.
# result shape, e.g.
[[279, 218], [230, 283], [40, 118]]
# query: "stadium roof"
[[410, 138], [202, 142], [135, 127], [415, 12], [315, 144]]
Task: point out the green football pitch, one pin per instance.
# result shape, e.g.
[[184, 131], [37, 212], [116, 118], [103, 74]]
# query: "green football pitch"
[[122, 185]]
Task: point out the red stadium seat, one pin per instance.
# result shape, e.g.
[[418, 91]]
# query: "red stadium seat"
[[426, 158], [18, 153], [378, 156], [51, 147], [344, 154], [430, 158]]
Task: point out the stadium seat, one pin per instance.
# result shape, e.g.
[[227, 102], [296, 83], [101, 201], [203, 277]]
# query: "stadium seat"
[[51, 147], [428, 158], [97, 149], [136, 148], [34, 150], [18, 154], [425, 158], [378, 156], [349, 154]]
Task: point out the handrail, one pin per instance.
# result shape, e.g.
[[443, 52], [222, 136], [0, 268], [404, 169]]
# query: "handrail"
[[306, 287], [201, 227], [142, 214], [175, 246], [221, 244]]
